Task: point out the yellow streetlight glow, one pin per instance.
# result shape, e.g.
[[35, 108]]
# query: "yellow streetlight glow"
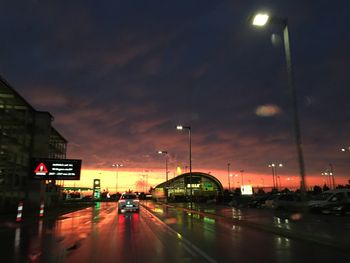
[[260, 19]]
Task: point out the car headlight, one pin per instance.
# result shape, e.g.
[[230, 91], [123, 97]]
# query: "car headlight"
[[338, 208]]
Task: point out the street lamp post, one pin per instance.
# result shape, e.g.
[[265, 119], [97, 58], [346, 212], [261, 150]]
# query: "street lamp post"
[[329, 173], [332, 175], [290, 182], [180, 127], [166, 163], [262, 20], [273, 167], [228, 176], [117, 165]]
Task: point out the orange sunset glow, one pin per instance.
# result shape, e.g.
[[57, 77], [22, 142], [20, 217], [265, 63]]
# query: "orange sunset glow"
[[142, 180]]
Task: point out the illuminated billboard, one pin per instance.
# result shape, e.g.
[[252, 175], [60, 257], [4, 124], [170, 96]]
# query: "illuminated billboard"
[[55, 169], [246, 190]]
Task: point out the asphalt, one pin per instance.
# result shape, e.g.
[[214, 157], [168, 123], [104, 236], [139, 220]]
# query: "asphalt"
[[330, 230], [28, 217]]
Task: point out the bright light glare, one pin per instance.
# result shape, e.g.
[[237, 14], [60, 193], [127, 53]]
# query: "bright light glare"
[[260, 19], [179, 127]]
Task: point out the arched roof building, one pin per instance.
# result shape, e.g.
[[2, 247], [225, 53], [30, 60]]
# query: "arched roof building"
[[204, 186]]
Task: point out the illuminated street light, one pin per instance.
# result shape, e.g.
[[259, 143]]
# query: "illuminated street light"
[[261, 20], [329, 174], [180, 127], [290, 182], [273, 167], [345, 149], [117, 165], [166, 163]]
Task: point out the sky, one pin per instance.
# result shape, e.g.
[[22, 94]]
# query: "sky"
[[118, 76]]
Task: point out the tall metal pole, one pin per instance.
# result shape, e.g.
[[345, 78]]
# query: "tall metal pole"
[[180, 127], [228, 176], [273, 176], [116, 180], [190, 139], [166, 163], [291, 84], [166, 166], [332, 175], [117, 165]]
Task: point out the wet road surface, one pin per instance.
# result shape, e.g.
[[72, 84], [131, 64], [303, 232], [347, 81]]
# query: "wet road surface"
[[100, 234]]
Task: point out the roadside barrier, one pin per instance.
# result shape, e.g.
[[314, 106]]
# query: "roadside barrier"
[[41, 213], [19, 212]]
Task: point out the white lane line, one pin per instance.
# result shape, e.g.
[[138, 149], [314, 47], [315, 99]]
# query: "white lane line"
[[181, 238]]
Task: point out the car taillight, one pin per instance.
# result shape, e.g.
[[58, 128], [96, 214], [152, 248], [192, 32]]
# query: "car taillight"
[[121, 201]]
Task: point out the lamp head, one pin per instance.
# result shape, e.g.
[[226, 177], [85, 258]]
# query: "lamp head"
[[260, 19]]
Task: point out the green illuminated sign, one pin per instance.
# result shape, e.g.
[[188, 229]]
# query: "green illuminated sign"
[[207, 186]]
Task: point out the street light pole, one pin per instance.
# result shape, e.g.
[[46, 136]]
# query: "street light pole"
[[166, 163], [228, 176], [179, 127], [262, 20], [274, 174], [332, 174], [292, 88], [117, 165], [272, 165]]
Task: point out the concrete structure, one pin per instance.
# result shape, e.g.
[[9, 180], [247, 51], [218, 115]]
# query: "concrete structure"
[[204, 187], [25, 133]]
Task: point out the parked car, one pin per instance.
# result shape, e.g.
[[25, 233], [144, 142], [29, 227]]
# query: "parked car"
[[269, 199], [332, 201], [128, 202], [338, 209], [284, 201], [258, 201]]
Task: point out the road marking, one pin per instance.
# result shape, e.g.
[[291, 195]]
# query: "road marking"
[[189, 244]]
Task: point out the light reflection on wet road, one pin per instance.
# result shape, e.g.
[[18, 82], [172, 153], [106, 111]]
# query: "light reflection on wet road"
[[100, 234]]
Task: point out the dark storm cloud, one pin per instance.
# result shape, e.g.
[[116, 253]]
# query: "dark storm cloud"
[[119, 75]]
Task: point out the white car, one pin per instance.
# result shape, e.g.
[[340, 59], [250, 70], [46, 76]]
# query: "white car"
[[337, 200], [128, 202]]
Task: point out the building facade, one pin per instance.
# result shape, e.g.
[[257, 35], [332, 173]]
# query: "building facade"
[[25, 133], [204, 187]]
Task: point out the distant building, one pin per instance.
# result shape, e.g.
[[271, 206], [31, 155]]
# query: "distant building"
[[204, 187], [25, 133]]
